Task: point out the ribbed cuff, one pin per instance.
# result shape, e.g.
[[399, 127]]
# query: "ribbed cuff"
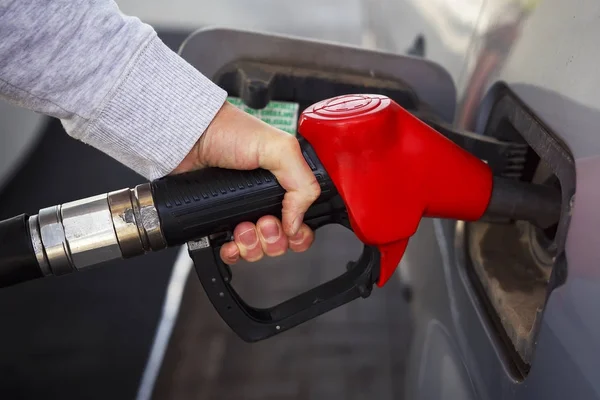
[[156, 114]]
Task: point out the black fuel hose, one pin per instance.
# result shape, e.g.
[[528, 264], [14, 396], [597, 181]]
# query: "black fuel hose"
[[17, 257]]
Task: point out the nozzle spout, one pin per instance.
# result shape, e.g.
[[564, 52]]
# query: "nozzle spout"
[[538, 204]]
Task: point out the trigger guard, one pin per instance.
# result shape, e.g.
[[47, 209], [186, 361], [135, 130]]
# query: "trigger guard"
[[254, 324]]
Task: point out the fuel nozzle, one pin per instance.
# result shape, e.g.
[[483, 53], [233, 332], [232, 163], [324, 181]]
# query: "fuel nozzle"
[[385, 168], [75, 235], [380, 169], [393, 168]]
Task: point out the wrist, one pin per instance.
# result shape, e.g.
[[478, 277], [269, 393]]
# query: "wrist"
[[194, 158]]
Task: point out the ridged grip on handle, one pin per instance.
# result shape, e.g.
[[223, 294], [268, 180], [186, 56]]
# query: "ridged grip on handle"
[[213, 200], [17, 257]]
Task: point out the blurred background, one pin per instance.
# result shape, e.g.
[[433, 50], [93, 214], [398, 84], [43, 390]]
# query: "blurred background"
[[144, 328]]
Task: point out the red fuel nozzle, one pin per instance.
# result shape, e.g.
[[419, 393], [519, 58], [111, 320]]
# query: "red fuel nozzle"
[[391, 169]]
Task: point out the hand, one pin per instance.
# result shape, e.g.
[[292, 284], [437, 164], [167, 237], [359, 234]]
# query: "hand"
[[237, 140]]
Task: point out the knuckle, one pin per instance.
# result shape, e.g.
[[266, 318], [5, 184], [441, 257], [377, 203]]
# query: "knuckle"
[[291, 146], [290, 142], [315, 190]]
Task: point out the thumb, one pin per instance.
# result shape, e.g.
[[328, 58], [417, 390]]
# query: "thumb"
[[283, 157]]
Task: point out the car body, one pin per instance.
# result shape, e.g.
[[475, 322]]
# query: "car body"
[[543, 53], [501, 309]]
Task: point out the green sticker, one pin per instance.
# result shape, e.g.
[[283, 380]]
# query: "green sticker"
[[280, 114]]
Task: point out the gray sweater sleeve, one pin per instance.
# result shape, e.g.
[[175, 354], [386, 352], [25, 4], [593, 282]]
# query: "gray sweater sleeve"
[[107, 77]]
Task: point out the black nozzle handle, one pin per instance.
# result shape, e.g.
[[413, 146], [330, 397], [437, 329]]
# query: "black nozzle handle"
[[254, 324], [213, 200], [18, 262]]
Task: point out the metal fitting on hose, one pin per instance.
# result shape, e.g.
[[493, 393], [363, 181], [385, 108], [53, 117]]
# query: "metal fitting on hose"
[[148, 222], [79, 234], [136, 221]]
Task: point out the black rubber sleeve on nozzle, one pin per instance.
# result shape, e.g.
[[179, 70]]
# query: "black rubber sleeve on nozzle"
[[17, 257], [215, 200], [539, 204]]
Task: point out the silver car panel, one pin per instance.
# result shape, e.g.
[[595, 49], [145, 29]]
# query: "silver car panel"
[[546, 53]]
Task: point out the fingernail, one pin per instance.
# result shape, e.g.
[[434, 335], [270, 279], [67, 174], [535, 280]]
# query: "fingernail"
[[296, 224], [249, 238], [233, 253], [297, 238], [270, 231]]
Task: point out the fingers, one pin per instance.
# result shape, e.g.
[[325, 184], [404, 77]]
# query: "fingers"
[[230, 253], [237, 140], [252, 242], [284, 158], [246, 239], [301, 241], [270, 232]]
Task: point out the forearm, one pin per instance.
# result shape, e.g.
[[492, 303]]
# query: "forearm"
[[107, 77]]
